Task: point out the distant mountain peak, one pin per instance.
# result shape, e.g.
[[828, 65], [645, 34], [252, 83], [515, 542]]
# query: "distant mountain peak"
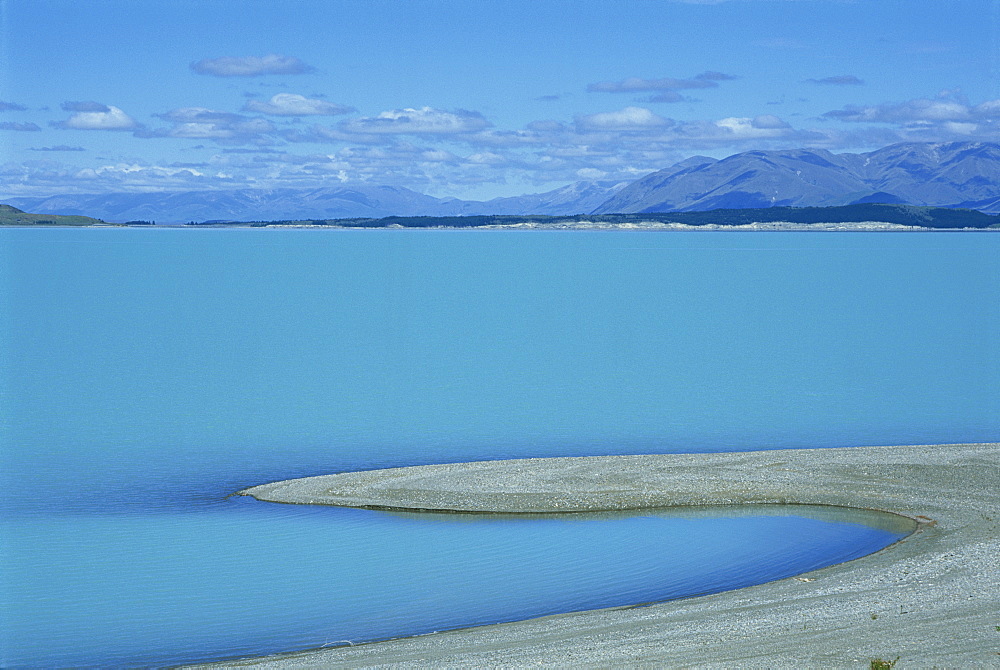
[[948, 174]]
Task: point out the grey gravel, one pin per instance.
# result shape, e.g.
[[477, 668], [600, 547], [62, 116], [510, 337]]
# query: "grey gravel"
[[933, 600]]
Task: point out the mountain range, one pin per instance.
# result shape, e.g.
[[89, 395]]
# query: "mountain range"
[[956, 174]]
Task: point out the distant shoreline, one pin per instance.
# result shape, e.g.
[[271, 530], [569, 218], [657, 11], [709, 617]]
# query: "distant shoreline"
[[865, 217], [842, 227], [929, 600], [777, 226]]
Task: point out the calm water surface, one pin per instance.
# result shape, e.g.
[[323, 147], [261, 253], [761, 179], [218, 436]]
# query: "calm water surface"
[[147, 374]]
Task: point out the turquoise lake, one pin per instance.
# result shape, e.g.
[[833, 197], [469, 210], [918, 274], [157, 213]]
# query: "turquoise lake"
[[147, 374]]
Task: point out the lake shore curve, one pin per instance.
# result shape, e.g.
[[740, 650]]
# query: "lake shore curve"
[[929, 600]]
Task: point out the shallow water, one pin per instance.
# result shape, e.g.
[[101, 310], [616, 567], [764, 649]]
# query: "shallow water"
[[247, 577], [147, 374]]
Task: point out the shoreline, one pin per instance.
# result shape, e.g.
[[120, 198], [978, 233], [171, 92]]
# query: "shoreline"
[[930, 599], [757, 227], [649, 226]]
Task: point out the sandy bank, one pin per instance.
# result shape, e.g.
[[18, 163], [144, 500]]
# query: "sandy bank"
[[932, 600]]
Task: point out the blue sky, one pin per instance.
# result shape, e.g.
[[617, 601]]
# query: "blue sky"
[[472, 99]]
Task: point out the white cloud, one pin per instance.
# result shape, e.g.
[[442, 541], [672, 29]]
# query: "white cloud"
[[630, 118], [769, 122], [537, 134], [199, 131], [251, 66], [327, 135], [591, 174], [44, 177], [987, 110], [425, 120], [486, 158], [438, 156], [198, 115], [949, 116], [112, 119], [920, 109], [291, 104], [960, 128], [122, 169], [758, 127], [201, 123]]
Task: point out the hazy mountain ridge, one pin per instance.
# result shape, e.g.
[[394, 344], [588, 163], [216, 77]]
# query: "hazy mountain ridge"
[[957, 174], [239, 205], [319, 203], [581, 197]]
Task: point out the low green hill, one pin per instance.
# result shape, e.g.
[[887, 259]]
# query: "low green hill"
[[12, 216]]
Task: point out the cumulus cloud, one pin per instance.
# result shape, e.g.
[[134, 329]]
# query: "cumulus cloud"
[[538, 133], [630, 118], [921, 109], [135, 175], [11, 125], [634, 141], [420, 166], [438, 156], [251, 66], [947, 117], [840, 80], [43, 176], [291, 104], [11, 107], [638, 85], [623, 144], [95, 116], [591, 174], [628, 143], [757, 127], [327, 135], [440, 150], [425, 120], [199, 115], [209, 124], [486, 158], [987, 110]]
